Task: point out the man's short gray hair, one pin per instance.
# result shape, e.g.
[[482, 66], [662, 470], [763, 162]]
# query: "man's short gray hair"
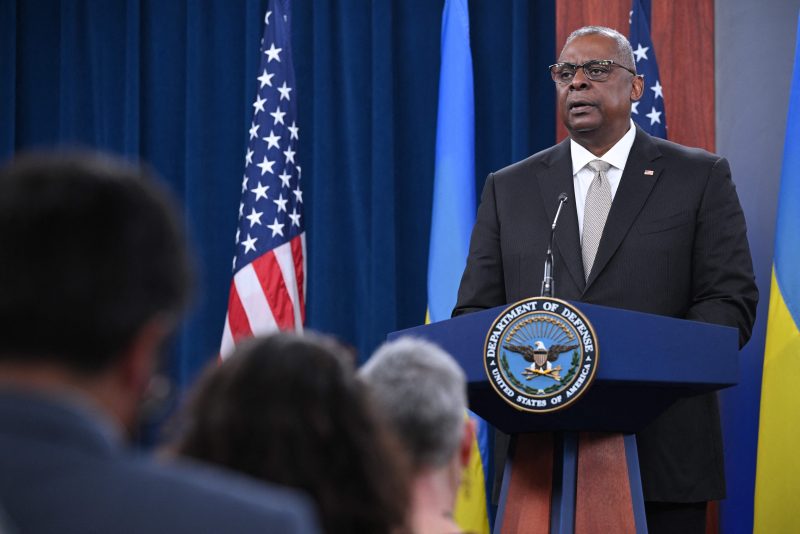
[[422, 391], [624, 49]]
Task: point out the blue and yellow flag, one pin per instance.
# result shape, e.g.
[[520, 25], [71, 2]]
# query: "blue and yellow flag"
[[451, 224], [454, 180], [778, 467]]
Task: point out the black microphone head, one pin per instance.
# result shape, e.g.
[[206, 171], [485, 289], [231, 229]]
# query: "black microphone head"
[[562, 197]]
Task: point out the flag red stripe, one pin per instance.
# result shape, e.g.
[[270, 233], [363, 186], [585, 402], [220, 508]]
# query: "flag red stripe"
[[237, 318], [297, 254], [269, 274]]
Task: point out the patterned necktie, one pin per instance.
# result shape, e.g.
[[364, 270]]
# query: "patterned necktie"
[[595, 213]]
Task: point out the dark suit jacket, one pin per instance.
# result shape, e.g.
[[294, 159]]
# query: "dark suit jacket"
[[674, 244], [63, 471]]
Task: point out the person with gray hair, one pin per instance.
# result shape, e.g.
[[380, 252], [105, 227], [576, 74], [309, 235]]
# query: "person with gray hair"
[[649, 225], [422, 392], [624, 54]]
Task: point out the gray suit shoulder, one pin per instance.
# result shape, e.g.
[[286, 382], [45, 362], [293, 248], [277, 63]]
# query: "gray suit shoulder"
[[200, 498], [65, 470], [123, 494]]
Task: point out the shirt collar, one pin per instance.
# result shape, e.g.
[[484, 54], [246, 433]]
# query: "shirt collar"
[[616, 156]]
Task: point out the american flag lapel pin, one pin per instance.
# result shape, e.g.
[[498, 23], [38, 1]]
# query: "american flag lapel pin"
[[648, 172]]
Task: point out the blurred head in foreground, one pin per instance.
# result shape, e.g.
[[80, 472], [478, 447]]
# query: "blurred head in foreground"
[[93, 276], [288, 409], [422, 392]]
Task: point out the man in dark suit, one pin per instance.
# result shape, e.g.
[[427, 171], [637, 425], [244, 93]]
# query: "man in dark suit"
[[93, 278], [653, 226]]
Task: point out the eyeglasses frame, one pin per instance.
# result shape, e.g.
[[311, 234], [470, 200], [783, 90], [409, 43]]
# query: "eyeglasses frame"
[[604, 62]]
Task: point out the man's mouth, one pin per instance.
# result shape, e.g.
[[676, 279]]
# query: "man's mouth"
[[580, 106]]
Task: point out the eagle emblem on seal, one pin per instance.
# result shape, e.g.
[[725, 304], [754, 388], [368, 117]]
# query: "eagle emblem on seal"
[[541, 358]]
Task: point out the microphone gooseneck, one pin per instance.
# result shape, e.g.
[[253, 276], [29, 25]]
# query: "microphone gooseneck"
[[548, 289]]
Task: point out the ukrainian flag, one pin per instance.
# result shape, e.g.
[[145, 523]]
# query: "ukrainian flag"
[[451, 223], [778, 466]]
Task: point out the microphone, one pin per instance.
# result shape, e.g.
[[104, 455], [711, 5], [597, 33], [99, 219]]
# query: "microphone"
[[548, 288]]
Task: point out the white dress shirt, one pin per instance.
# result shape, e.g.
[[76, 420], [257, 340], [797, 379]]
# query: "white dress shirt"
[[582, 174]]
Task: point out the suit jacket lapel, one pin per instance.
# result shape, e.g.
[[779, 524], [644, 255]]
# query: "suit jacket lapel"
[[553, 180], [634, 188]]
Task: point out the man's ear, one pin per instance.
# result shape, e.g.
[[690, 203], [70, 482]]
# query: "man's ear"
[[637, 88], [138, 360], [465, 449]]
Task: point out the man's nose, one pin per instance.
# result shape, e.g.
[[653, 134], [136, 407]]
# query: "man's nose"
[[579, 81]]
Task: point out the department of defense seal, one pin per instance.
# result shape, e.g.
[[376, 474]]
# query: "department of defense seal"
[[540, 354]]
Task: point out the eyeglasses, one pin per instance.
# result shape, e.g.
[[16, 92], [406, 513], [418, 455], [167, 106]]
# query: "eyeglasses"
[[596, 70]]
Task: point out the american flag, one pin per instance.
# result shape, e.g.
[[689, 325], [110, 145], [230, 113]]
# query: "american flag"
[[648, 112], [269, 283]]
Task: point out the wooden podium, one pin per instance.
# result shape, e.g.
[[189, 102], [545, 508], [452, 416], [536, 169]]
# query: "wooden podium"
[[577, 470]]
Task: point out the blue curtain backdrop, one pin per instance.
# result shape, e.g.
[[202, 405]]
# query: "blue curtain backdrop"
[[173, 81]]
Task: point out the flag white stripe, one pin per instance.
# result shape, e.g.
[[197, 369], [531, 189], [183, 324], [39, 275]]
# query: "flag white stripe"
[[285, 259], [254, 302], [227, 339]]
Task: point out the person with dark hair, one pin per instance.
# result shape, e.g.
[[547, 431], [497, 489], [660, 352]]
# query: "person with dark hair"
[[94, 276], [288, 409], [422, 392]]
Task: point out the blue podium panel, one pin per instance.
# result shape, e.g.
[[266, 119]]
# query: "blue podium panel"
[[645, 362]]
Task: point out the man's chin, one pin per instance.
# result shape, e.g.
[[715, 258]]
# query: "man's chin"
[[582, 127]]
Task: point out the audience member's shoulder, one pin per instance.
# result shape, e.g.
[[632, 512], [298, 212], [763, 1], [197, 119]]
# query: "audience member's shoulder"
[[210, 498], [6, 526]]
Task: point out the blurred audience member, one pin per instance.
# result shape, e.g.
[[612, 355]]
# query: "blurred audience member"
[[5, 523], [422, 391], [93, 278], [288, 409]]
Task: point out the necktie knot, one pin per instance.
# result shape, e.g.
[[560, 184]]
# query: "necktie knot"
[[598, 165]]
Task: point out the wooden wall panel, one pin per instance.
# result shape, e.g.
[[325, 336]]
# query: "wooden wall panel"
[[571, 15], [683, 35]]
